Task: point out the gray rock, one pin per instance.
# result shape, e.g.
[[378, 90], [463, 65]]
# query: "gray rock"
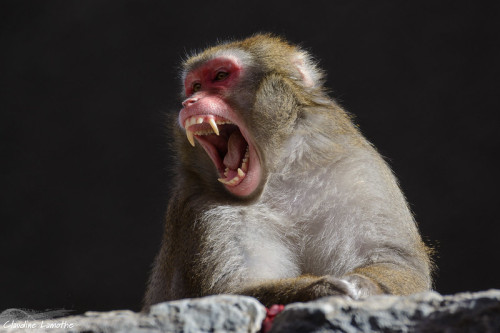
[[222, 313], [425, 312]]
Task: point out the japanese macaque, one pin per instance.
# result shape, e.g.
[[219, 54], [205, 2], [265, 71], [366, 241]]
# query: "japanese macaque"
[[277, 195]]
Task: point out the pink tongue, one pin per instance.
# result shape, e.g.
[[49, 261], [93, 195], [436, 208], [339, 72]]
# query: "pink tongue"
[[236, 146]]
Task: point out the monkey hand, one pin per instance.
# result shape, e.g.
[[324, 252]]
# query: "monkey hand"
[[331, 286], [307, 288]]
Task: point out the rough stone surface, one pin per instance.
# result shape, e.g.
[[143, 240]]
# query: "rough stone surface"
[[223, 313], [426, 312]]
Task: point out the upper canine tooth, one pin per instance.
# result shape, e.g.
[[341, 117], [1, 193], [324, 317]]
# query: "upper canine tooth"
[[214, 125], [190, 137]]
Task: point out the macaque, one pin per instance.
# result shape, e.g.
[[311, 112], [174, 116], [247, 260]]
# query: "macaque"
[[277, 195]]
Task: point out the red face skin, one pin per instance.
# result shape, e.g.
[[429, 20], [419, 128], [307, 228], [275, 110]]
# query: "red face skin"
[[206, 89]]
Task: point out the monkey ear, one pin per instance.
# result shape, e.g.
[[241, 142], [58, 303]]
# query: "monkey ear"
[[307, 70]]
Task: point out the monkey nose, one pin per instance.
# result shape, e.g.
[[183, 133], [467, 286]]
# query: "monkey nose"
[[190, 101]]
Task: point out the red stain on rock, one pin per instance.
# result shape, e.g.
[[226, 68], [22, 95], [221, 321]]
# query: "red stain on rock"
[[271, 313]]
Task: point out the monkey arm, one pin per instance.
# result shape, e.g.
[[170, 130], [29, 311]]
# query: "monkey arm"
[[400, 274], [362, 282], [388, 278], [299, 289]]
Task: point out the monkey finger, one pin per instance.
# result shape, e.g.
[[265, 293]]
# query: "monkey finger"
[[331, 286]]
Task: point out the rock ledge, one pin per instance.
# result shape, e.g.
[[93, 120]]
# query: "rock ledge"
[[425, 312]]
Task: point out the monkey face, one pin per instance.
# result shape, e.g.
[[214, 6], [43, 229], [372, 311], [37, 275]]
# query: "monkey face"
[[209, 119], [242, 102]]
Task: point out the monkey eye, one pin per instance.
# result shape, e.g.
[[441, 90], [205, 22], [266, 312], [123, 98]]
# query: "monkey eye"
[[196, 86], [221, 76]]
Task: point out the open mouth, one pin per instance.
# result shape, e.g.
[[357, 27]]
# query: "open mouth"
[[230, 151]]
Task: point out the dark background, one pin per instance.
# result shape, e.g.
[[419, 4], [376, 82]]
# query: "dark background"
[[85, 86]]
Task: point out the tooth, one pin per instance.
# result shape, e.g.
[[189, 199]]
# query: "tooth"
[[244, 166], [226, 171], [241, 173], [233, 181], [199, 120], [245, 158], [214, 125], [229, 182], [190, 137], [206, 132]]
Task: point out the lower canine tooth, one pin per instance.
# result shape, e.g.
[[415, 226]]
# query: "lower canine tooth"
[[190, 137], [241, 173]]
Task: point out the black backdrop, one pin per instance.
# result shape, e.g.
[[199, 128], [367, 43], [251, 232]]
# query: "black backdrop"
[[85, 86]]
